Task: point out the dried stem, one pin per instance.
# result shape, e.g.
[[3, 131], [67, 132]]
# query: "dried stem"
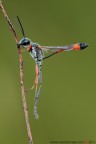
[[21, 75]]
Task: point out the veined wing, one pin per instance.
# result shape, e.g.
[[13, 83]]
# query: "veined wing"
[[55, 48], [78, 46]]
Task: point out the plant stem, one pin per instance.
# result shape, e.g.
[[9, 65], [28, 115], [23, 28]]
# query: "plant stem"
[[24, 99], [21, 76]]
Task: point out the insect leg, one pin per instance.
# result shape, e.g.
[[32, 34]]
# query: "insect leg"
[[37, 92], [37, 76], [36, 99], [53, 54]]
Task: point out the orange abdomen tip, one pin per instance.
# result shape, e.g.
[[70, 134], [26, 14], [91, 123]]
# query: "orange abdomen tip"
[[76, 47]]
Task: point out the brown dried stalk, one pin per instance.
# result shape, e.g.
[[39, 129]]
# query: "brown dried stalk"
[[21, 75]]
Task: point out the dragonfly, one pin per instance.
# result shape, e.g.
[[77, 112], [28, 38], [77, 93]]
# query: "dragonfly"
[[37, 52]]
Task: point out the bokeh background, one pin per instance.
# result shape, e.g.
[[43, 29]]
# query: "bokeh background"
[[67, 105]]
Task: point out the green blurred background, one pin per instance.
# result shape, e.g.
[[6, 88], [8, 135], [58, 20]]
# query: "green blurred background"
[[67, 105]]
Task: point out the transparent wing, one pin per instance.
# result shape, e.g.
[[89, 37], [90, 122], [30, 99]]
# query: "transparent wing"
[[55, 48]]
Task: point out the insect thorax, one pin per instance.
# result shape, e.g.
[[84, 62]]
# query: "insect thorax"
[[36, 53]]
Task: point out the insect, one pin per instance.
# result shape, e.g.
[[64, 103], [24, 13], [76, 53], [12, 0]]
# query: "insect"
[[37, 53]]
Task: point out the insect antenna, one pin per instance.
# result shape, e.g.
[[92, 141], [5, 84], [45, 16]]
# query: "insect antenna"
[[21, 27]]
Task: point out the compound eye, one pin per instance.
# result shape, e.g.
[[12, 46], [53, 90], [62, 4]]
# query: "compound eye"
[[26, 43]]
